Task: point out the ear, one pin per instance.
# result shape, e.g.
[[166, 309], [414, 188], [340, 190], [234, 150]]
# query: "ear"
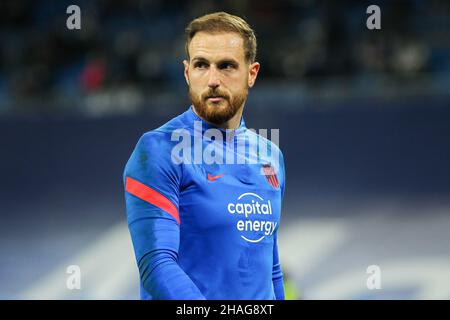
[[253, 73], [186, 71]]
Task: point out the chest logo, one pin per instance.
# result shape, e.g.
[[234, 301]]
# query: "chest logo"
[[256, 220], [269, 172]]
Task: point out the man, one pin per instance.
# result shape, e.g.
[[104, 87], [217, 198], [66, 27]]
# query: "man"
[[204, 229]]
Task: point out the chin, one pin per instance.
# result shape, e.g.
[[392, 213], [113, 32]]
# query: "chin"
[[218, 114], [215, 107]]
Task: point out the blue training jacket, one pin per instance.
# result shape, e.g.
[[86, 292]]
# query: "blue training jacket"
[[203, 209]]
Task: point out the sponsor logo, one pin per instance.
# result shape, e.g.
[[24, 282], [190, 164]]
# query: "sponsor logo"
[[255, 223]]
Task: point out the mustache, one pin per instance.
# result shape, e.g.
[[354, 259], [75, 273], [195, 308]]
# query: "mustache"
[[214, 93]]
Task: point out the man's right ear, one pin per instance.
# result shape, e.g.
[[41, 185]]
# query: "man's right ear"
[[186, 71]]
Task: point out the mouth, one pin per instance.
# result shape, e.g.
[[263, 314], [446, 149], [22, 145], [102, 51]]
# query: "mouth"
[[215, 99]]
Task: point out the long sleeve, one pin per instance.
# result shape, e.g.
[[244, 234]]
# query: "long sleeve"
[[277, 274], [151, 193]]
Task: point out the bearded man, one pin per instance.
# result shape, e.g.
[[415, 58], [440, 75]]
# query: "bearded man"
[[203, 202]]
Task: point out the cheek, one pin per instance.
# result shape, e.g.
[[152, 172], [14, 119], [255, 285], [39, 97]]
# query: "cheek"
[[238, 84], [194, 83], [197, 80]]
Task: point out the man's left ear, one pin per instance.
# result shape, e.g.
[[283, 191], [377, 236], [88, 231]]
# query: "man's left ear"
[[253, 73], [186, 71]]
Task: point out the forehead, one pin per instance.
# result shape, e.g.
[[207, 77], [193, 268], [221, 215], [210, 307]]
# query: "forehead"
[[217, 45]]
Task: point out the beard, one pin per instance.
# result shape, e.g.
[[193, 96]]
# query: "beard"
[[217, 112]]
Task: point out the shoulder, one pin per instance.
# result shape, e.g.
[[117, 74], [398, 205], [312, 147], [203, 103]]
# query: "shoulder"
[[153, 149], [154, 141], [273, 143], [162, 139], [270, 145]]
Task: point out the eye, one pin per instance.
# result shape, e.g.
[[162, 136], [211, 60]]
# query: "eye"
[[200, 65], [227, 66]]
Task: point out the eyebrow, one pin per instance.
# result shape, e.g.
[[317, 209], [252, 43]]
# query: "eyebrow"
[[226, 60], [199, 59]]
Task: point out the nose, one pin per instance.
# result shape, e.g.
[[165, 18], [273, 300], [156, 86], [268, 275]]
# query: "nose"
[[214, 80]]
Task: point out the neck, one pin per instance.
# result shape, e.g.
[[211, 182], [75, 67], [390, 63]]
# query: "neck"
[[232, 124]]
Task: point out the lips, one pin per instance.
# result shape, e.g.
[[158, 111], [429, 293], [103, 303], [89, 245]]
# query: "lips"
[[215, 98]]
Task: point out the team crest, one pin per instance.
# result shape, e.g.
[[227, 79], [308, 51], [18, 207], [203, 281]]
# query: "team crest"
[[269, 172]]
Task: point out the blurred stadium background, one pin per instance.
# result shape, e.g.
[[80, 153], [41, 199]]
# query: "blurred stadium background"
[[364, 119]]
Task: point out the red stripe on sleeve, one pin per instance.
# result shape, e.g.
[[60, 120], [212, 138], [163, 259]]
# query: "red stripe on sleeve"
[[152, 196]]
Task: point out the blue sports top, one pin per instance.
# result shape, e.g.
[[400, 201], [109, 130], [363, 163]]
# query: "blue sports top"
[[203, 209]]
